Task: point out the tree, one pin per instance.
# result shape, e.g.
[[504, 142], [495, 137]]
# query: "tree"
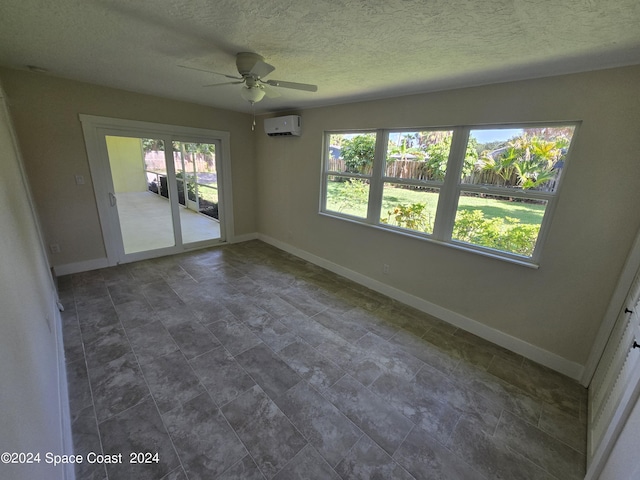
[[151, 144], [503, 165], [405, 149], [438, 156], [358, 153], [531, 159]]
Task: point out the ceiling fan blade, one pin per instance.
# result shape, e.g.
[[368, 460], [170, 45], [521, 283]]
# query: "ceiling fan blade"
[[270, 92], [209, 71], [225, 83], [296, 86], [261, 69]]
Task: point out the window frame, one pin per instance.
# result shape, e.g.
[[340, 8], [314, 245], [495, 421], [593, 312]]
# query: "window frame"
[[326, 173], [450, 189]]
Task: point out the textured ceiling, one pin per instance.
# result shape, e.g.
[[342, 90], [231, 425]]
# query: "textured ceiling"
[[352, 49]]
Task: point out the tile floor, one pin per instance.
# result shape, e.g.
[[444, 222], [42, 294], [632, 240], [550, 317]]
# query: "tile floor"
[[244, 362]]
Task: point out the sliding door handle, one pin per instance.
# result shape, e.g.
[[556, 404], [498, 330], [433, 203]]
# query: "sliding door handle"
[[112, 199]]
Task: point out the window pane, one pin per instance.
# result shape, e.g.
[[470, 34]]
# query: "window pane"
[[347, 195], [139, 174], [351, 153], [418, 155], [523, 158], [499, 222], [197, 185], [413, 208]]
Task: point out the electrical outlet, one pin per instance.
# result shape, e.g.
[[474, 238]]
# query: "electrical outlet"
[[385, 269], [54, 247], [79, 180]]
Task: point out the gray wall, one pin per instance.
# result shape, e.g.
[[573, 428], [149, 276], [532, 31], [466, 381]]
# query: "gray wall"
[[45, 113], [556, 309], [276, 184], [34, 416]]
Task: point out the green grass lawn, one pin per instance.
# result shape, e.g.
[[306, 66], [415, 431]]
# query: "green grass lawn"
[[208, 192], [527, 213]]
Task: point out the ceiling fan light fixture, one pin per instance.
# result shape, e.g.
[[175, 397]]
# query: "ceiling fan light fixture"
[[252, 94]]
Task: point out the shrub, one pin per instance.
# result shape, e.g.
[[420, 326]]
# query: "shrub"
[[353, 192], [412, 217], [358, 153], [506, 234]]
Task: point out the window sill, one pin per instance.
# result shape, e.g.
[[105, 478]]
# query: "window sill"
[[485, 252]]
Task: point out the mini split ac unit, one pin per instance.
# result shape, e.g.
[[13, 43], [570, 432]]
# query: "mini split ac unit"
[[283, 126]]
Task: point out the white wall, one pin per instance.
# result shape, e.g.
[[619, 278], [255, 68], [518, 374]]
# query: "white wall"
[[33, 407], [551, 314]]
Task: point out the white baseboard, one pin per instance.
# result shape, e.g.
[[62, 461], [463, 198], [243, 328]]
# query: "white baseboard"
[[244, 238], [66, 436], [548, 359], [97, 263], [78, 267]]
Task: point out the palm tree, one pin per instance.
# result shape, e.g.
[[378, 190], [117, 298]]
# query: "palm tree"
[[503, 165], [530, 159]]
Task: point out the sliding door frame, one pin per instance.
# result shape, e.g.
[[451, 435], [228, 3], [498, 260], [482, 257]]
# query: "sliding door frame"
[[96, 129]]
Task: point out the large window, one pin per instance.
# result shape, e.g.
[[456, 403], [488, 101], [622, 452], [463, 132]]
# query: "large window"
[[488, 189]]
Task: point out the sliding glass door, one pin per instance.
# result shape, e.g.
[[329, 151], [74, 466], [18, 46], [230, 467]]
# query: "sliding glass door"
[[158, 192], [197, 184]]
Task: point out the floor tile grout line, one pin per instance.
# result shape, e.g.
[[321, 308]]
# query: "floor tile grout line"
[[308, 444], [238, 436], [195, 319], [448, 446], [542, 430], [221, 406], [525, 459], [500, 381], [93, 404], [344, 372], [150, 394], [155, 404], [330, 403], [495, 430], [413, 424], [241, 459], [204, 389], [449, 375]]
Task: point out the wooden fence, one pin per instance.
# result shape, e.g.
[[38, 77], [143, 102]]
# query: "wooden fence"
[[154, 160], [416, 170]]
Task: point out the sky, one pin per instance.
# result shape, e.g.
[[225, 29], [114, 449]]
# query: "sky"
[[482, 135], [490, 135]]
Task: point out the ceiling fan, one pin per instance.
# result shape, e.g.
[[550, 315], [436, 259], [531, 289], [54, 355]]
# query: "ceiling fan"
[[252, 69]]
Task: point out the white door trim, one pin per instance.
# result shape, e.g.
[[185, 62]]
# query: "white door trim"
[[94, 128]]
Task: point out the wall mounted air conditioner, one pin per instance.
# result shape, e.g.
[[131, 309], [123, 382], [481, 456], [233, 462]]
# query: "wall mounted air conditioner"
[[283, 126]]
